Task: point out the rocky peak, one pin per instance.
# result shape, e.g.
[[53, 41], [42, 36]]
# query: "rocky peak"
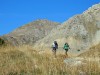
[[31, 32], [80, 31]]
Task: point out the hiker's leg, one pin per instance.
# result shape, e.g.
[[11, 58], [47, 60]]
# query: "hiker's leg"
[[54, 52], [66, 53]]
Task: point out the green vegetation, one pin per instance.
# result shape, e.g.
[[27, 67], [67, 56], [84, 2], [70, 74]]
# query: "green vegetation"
[[2, 42]]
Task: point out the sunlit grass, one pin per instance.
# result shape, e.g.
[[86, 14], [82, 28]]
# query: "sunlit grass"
[[26, 61]]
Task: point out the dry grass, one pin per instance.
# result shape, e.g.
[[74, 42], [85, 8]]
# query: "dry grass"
[[26, 61], [92, 52]]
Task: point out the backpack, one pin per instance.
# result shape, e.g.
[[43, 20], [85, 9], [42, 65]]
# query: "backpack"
[[56, 44]]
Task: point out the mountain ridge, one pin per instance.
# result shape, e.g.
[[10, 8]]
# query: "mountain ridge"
[[31, 32], [80, 31]]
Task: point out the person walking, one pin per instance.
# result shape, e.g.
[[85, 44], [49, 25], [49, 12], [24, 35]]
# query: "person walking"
[[54, 48], [66, 48]]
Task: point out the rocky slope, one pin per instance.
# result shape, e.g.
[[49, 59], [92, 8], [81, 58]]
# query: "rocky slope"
[[92, 52], [80, 31], [30, 33]]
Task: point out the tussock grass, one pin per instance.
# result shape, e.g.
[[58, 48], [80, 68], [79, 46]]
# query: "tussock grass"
[[26, 61], [92, 52]]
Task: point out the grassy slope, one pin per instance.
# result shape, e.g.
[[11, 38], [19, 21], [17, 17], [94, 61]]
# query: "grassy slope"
[[92, 52], [14, 61], [26, 61]]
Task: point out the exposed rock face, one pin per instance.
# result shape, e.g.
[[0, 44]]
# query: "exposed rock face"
[[80, 31], [30, 33]]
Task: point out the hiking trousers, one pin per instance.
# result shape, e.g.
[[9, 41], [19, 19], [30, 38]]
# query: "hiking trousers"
[[66, 50], [54, 51]]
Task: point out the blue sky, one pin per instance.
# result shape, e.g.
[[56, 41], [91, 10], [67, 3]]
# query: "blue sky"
[[15, 13]]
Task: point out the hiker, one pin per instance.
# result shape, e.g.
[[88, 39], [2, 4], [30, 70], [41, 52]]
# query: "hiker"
[[54, 47], [66, 48]]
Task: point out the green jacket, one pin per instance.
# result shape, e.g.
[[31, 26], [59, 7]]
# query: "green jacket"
[[66, 46]]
